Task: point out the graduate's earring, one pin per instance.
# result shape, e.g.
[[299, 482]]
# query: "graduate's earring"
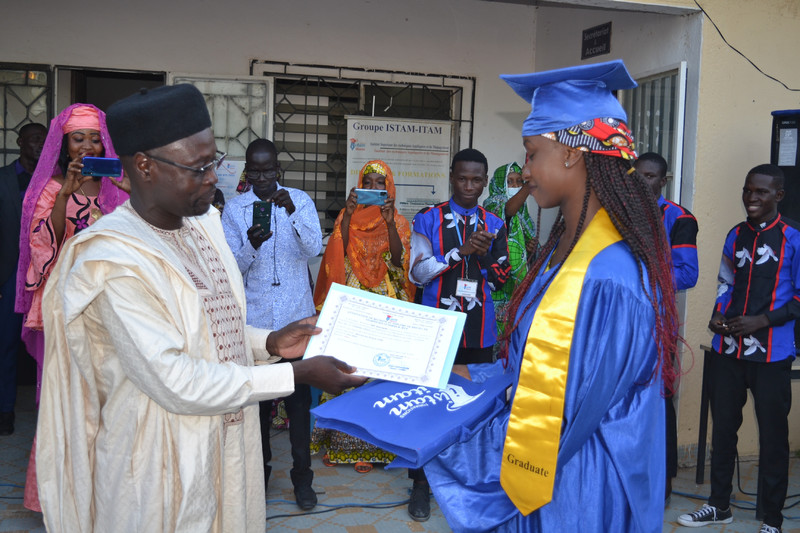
[[566, 164]]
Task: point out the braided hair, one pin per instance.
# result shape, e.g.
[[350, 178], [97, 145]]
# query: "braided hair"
[[635, 214]]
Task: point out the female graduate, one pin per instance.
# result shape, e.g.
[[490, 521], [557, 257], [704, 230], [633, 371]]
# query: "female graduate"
[[590, 330]]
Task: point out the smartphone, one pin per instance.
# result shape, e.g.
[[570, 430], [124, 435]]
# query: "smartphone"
[[262, 213], [372, 196], [102, 166]]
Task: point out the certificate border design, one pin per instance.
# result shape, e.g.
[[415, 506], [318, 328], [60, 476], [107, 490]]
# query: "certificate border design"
[[339, 294]]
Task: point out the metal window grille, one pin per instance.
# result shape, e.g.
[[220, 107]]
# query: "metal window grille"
[[310, 126], [655, 115], [651, 113], [26, 95], [239, 110]]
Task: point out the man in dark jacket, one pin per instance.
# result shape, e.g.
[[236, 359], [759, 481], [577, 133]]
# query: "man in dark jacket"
[[14, 179]]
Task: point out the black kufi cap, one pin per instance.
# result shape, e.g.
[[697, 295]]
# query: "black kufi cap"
[[153, 118]]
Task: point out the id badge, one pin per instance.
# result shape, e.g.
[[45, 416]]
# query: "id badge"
[[466, 288]]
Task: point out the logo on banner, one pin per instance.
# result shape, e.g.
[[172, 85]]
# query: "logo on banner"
[[355, 145], [404, 402]]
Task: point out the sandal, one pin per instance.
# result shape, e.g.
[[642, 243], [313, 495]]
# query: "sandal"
[[362, 467], [326, 460]]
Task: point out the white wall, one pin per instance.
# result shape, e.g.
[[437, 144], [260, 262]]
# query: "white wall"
[[734, 96], [454, 37]]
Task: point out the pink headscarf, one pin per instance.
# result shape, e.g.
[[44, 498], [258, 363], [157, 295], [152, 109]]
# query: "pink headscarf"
[[109, 198], [82, 118]]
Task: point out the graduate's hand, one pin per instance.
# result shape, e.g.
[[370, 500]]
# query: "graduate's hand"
[[745, 325], [290, 341], [463, 371], [326, 373]]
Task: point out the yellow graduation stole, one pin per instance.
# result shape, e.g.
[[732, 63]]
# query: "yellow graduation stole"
[[530, 451]]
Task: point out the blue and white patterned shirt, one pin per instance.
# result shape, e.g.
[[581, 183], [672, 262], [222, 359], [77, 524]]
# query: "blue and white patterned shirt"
[[276, 276]]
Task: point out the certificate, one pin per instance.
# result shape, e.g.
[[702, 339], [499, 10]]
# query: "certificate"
[[386, 338]]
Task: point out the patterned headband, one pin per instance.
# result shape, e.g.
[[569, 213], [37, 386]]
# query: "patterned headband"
[[607, 136], [375, 168]]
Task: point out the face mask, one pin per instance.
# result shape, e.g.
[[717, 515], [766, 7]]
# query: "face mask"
[[511, 191]]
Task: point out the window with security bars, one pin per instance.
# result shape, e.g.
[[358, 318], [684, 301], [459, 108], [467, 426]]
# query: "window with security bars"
[[239, 109], [310, 133], [310, 127], [655, 116], [25, 97], [409, 101]]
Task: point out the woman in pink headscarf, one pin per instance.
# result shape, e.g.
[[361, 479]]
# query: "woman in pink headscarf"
[[59, 202]]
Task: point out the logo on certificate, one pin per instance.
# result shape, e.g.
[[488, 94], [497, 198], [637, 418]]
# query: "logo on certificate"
[[381, 359]]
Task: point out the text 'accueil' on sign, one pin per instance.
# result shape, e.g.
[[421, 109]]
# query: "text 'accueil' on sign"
[[596, 41]]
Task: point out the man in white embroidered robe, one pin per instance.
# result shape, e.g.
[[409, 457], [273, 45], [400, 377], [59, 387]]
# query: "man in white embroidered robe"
[[149, 415]]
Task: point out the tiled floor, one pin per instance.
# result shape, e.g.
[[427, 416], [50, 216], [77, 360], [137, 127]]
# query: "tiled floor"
[[350, 502]]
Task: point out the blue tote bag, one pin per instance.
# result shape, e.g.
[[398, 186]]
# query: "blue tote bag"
[[415, 422]]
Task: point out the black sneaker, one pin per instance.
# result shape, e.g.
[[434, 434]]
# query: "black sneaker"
[[707, 514], [769, 529], [419, 504], [305, 497]]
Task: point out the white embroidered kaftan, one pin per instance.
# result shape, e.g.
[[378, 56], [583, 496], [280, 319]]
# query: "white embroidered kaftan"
[[145, 422]]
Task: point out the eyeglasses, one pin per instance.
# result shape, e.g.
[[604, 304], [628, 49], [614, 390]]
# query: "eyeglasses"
[[216, 163], [255, 174]]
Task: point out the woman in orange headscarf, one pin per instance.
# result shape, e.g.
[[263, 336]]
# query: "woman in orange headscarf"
[[369, 250], [370, 245]]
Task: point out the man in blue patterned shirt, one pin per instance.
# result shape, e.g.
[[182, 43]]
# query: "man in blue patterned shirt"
[[459, 255], [681, 229], [758, 301]]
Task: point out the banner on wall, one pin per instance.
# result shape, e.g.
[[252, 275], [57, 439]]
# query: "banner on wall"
[[417, 151], [228, 175]]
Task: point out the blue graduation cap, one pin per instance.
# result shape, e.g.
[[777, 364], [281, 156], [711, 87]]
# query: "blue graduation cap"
[[568, 96]]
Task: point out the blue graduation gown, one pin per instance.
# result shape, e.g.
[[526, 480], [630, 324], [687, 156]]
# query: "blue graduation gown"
[[611, 467]]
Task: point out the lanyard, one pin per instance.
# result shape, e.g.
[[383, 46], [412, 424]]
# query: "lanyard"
[[461, 239], [474, 228]]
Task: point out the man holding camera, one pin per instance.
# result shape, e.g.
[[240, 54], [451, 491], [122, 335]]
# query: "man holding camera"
[[273, 231]]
